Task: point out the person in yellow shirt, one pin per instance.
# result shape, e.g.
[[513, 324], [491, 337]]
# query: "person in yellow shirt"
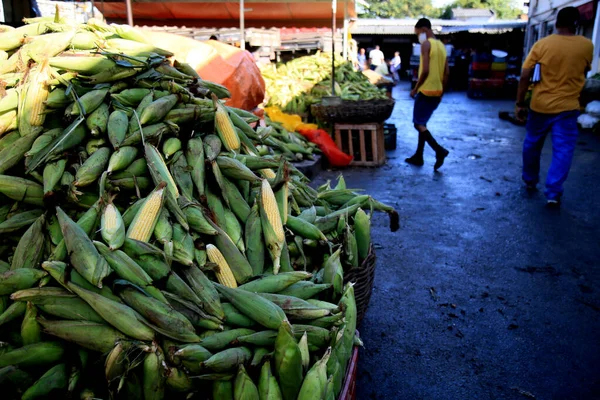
[[433, 76], [562, 60]]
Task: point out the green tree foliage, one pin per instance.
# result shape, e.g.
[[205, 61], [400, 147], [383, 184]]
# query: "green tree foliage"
[[504, 9], [400, 9]]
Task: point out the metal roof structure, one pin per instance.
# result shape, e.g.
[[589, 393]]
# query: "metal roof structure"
[[470, 13], [226, 13], [439, 26]]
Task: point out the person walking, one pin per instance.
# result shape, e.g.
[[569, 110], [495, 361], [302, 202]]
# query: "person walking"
[[563, 59], [433, 76], [362, 59], [376, 58], [395, 66]]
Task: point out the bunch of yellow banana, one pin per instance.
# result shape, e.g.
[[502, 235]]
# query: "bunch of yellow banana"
[[149, 228]]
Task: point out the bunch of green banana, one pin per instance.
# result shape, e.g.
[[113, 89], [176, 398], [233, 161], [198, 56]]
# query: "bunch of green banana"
[[149, 228], [299, 83]]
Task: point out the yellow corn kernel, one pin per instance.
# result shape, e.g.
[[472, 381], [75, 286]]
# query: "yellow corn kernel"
[[145, 220], [226, 131], [268, 173], [224, 274], [272, 210], [34, 96]]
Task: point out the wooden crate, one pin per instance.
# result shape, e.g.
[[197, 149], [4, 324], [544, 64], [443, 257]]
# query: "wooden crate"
[[365, 142]]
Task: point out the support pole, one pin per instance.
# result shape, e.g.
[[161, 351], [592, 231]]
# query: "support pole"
[[596, 41], [333, 9], [346, 44], [242, 35], [129, 13]]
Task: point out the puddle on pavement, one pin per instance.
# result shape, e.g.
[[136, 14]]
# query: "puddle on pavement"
[[474, 156]]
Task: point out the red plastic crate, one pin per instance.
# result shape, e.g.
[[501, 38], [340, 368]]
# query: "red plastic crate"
[[349, 389]]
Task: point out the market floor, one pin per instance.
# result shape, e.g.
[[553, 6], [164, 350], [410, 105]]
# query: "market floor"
[[483, 293]]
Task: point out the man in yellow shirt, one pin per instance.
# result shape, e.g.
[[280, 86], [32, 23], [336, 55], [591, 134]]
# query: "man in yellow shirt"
[[433, 76], [563, 59]]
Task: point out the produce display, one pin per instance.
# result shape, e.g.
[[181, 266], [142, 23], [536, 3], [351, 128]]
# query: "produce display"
[[154, 244], [296, 85]]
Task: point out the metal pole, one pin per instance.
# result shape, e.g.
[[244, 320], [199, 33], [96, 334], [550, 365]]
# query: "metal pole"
[[333, 8], [345, 51], [242, 35], [92, 9], [129, 13]]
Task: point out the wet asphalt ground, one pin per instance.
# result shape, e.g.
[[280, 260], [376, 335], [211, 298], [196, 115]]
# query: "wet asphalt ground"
[[483, 293]]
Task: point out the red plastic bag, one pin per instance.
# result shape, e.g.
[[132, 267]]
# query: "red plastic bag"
[[335, 156]]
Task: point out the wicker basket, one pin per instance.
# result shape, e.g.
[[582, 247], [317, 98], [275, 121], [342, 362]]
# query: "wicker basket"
[[349, 387], [363, 278], [360, 111]]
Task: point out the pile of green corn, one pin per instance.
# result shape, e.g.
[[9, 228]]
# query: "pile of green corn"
[[154, 244], [296, 85]]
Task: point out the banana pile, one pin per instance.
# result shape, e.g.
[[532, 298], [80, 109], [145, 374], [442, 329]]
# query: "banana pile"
[[298, 84], [154, 244]]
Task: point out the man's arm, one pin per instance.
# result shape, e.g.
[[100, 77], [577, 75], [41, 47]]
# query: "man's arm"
[[524, 85], [446, 75], [425, 47]]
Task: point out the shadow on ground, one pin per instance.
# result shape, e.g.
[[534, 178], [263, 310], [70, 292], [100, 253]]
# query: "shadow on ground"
[[483, 293]]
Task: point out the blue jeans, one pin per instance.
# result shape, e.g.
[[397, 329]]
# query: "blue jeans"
[[564, 137]]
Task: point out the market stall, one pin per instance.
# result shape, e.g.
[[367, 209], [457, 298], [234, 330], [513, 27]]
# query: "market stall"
[[157, 243]]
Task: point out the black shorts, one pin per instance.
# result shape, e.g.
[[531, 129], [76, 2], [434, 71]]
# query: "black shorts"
[[424, 108]]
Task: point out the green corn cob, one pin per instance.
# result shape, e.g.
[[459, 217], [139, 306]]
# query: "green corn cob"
[[134, 124], [29, 251], [221, 340], [93, 145], [228, 359], [163, 230], [87, 222], [304, 228], [56, 378], [131, 97], [154, 377], [171, 146], [122, 158], [89, 335], [234, 169], [12, 155], [234, 230], [138, 168], [261, 354], [90, 102], [288, 362], [170, 323], [117, 128], [237, 262], [92, 168], [305, 352], [83, 254], [212, 147], [14, 311], [255, 247], [9, 138], [183, 246], [315, 383], [194, 155], [263, 311], [222, 389], [37, 354], [263, 339], [244, 388], [23, 190], [20, 221], [180, 171], [120, 316], [156, 110], [268, 387], [31, 331], [97, 121], [124, 266], [198, 221], [149, 257], [333, 272], [235, 318], [204, 290], [275, 283]]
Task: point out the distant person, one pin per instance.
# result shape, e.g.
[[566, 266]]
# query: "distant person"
[[433, 77], [376, 58], [362, 59], [564, 59], [395, 66]]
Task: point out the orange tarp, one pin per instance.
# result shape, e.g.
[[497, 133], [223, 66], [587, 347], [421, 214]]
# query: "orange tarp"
[[220, 63]]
